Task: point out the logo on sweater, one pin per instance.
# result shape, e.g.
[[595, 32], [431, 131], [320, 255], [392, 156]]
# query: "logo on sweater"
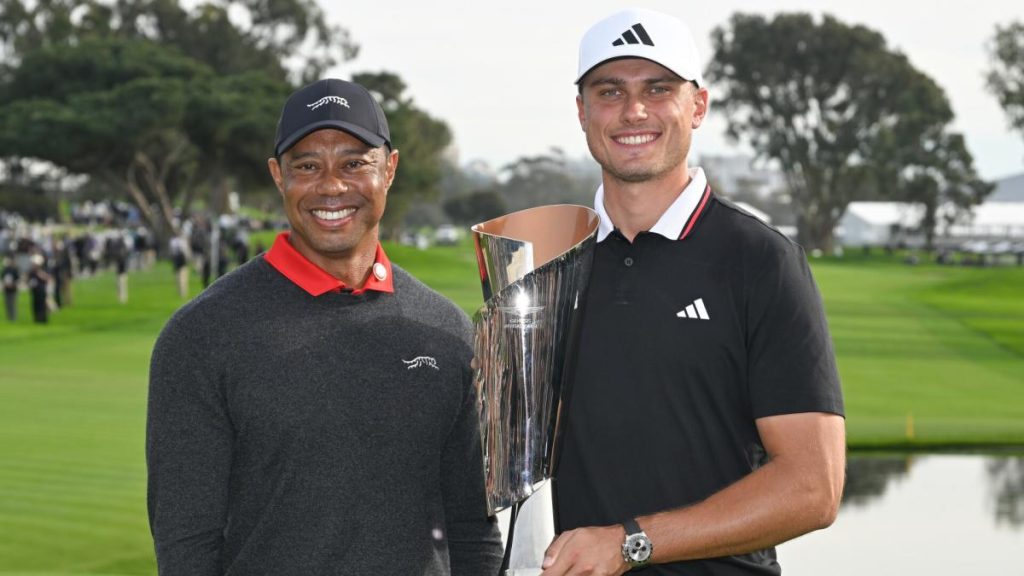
[[421, 361]]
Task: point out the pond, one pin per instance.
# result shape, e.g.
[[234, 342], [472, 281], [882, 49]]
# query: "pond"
[[920, 514], [908, 515]]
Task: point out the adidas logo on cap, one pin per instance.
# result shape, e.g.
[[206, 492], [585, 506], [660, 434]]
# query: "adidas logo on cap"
[[629, 38], [632, 33]]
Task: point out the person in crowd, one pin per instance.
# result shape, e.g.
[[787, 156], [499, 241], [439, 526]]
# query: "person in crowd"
[[10, 277], [38, 281]]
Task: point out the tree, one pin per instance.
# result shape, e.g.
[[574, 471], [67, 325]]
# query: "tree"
[[475, 207], [108, 109], [845, 117], [1006, 78], [420, 139], [255, 39], [163, 104], [938, 175], [27, 26], [29, 194], [153, 101], [141, 119], [231, 121], [547, 179]]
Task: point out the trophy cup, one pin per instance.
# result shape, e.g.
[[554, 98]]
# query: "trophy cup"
[[534, 267]]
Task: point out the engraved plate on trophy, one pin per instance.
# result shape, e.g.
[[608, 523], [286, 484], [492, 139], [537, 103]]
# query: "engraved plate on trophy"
[[534, 267]]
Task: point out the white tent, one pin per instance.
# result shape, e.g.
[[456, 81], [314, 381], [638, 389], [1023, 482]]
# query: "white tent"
[[877, 223], [991, 220]]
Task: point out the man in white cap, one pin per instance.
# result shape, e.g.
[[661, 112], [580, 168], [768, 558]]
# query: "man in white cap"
[[706, 419]]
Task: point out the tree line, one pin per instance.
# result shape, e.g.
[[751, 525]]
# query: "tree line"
[[171, 107]]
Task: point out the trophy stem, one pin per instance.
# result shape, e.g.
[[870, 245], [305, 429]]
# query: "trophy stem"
[[513, 515]]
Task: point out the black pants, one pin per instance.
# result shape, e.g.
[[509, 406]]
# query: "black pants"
[[11, 304], [40, 313]]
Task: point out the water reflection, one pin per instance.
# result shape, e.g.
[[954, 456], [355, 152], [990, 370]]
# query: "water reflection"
[[1006, 481], [868, 477], [949, 514]]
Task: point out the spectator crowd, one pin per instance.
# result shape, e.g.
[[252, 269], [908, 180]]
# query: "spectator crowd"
[[42, 261]]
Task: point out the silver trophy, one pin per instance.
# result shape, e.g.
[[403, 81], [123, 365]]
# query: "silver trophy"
[[534, 267]]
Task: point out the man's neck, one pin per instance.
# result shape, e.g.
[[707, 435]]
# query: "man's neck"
[[351, 267], [635, 207], [353, 270]]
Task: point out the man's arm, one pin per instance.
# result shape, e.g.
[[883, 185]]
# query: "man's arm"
[[474, 542], [188, 455], [798, 490]]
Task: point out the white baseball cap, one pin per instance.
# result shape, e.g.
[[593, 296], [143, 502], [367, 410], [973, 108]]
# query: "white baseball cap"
[[639, 33]]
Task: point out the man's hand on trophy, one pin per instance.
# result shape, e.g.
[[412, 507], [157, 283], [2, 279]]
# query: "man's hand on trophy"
[[592, 551]]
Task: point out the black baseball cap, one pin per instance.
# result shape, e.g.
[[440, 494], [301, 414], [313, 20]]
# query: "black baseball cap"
[[331, 103]]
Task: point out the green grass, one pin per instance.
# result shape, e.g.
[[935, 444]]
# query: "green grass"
[[72, 417], [942, 346], [451, 270], [945, 345]]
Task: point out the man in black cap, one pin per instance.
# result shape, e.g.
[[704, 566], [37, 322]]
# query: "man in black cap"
[[312, 412]]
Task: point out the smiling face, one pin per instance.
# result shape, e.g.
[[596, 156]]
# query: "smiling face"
[[334, 188], [639, 118]]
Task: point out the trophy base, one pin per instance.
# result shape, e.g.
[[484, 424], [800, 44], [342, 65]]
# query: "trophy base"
[[533, 532]]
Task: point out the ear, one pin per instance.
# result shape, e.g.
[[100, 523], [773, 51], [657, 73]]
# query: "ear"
[[392, 168], [581, 111], [700, 106], [275, 173]]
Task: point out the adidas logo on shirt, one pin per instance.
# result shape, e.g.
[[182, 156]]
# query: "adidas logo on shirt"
[[641, 37], [696, 311]]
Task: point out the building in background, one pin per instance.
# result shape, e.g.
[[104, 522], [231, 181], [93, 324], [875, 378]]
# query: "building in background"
[[996, 226], [739, 177]]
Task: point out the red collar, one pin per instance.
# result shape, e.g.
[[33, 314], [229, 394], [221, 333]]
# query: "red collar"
[[696, 214], [313, 279]]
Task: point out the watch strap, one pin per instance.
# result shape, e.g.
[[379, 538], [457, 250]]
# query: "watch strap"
[[631, 526]]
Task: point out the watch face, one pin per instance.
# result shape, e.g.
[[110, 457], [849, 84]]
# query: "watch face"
[[638, 548]]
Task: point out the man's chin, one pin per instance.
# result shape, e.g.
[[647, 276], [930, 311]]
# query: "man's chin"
[[636, 177], [632, 175], [335, 250], [329, 247], [637, 171]]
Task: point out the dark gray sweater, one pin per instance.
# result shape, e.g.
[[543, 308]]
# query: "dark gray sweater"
[[292, 434]]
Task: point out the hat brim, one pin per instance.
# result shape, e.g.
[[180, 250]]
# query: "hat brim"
[[629, 56], [367, 137]]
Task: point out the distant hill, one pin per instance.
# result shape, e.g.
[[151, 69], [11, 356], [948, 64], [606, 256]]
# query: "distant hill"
[[1009, 189]]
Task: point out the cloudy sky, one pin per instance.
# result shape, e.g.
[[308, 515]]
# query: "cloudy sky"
[[500, 73]]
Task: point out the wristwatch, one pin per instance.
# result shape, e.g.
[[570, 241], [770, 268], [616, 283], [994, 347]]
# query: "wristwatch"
[[637, 548]]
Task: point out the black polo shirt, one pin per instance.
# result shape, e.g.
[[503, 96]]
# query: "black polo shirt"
[[687, 340]]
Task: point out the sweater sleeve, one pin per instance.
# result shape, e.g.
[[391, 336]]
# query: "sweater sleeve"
[[474, 542], [188, 453]]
